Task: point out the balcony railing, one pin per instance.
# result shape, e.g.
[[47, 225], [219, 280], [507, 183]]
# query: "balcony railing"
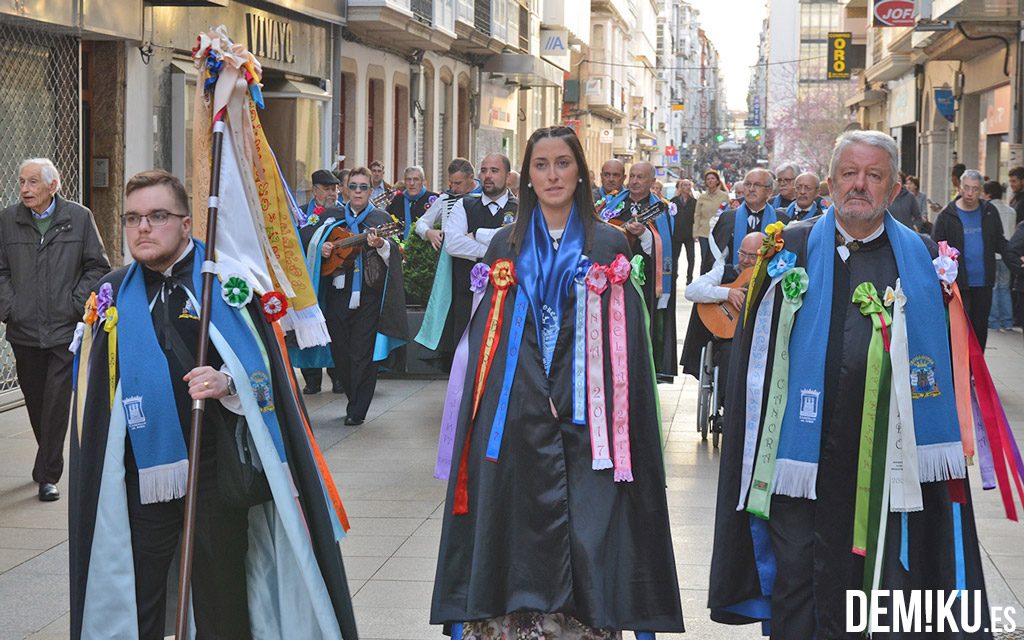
[[423, 10], [482, 16]]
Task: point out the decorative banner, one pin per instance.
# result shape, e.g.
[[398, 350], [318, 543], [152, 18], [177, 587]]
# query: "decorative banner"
[[945, 103], [893, 13], [838, 66]]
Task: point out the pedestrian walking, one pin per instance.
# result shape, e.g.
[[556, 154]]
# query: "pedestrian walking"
[[51, 256]]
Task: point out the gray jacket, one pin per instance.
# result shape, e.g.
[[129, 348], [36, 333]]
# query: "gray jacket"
[[45, 280]]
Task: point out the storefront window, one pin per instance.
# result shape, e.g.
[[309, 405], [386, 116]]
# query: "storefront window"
[[309, 117]]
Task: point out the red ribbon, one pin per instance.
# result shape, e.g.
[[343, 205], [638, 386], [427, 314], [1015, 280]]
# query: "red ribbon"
[[503, 276]]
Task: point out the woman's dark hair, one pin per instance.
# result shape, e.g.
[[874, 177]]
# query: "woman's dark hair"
[[582, 197]]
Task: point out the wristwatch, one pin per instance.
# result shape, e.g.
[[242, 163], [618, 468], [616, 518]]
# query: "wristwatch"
[[231, 385]]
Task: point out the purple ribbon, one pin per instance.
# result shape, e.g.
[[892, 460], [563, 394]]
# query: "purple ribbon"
[[453, 398], [983, 449]]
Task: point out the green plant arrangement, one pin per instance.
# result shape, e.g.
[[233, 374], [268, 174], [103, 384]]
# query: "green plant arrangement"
[[418, 271]]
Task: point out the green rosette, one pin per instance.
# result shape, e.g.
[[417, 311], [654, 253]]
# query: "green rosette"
[[236, 291]]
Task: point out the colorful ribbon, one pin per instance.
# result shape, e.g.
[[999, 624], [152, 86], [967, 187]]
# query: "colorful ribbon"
[[503, 276], [772, 244], [579, 351], [110, 326], [597, 282], [794, 285], [618, 273], [637, 277], [756, 373], [515, 341], [659, 286], [961, 356], [901, 458], [870, 305]]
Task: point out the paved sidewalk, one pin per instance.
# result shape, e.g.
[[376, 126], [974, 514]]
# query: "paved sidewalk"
[[384, 470]]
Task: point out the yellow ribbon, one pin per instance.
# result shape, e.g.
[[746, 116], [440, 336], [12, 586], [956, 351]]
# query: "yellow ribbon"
[[110, 326]]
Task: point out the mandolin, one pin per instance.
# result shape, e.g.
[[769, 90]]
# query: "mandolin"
[[347, 245], [720, 318], [649, 213]]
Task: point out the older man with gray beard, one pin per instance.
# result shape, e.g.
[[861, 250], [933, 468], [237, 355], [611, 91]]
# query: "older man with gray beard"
[[806, 511]]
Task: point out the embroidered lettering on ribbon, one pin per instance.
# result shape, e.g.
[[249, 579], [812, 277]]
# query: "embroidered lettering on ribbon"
[[597, 282], [618, 272]]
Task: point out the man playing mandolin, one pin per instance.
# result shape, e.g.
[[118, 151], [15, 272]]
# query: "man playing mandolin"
[[363, 298]]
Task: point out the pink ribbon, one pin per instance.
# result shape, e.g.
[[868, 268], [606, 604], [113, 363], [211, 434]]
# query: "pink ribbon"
[[618, 272], [597, 282]]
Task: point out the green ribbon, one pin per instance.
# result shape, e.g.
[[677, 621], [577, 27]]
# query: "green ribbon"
[[637, 277], [868, 462], [794, 285]]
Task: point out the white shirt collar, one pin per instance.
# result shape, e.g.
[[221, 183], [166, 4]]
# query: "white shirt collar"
[[871, 236], [168, 270], [501, 200]]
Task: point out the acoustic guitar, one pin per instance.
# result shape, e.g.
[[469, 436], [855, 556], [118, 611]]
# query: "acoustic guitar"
[[347, 245], [720, 318]]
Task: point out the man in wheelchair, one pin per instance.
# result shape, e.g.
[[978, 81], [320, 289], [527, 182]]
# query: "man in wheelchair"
[[703, 351]]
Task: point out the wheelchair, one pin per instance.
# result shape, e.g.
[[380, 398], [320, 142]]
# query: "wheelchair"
[[710, 413]]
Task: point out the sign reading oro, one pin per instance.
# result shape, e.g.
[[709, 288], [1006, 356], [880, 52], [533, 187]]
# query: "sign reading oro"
[[838, 66]]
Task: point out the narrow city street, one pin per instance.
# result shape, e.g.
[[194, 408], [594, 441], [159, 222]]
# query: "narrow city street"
[[384, 471]]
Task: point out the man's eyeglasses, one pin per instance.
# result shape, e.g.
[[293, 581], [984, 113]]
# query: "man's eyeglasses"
[[759, 185], [358, 186], [785, 180], [156, 219], [746, 255]]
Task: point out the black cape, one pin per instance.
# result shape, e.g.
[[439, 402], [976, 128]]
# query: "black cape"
[[88, 447], [826, 524], [545, 532]]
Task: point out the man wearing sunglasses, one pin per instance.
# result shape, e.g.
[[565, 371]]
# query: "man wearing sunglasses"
[[363, 302]]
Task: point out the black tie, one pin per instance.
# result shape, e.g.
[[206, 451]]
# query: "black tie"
[[495, 209]]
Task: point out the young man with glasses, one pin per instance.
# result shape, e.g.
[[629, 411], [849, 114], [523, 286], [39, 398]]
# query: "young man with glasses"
[[754, 214], [130, 456], [972, 226]]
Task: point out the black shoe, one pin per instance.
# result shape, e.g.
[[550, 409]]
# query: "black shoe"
[[309, 390], [337, 387], [353, 422], [48, 492]]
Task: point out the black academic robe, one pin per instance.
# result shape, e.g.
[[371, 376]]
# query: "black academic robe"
[[816, 567], [545, 532], [663, 321], [88, 448], [725, 228], [697, 335]]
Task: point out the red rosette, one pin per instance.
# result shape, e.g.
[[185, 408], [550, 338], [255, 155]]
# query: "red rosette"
[[274, 305]]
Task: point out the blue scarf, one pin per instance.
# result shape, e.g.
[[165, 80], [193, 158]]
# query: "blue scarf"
[[813, 211], [408, 211], [777, 201], [154, 427], [310, 208], [935, 419], [353, 223], [546, 275], [611, 202], [739, 228], [316, 357]]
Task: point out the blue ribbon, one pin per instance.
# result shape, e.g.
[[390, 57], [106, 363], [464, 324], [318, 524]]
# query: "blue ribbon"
[[353, 223], [515, 340], [904, 544], [579, 352], [958, 543]]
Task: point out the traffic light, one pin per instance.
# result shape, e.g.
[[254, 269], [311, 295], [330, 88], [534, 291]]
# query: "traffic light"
[[719, 137], [754, 133]]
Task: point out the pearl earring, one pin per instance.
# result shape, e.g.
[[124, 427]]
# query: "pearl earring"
[[529, 184], [579, 180]]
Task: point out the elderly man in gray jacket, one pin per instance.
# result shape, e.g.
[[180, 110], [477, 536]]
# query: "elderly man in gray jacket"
[[51, 256]]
